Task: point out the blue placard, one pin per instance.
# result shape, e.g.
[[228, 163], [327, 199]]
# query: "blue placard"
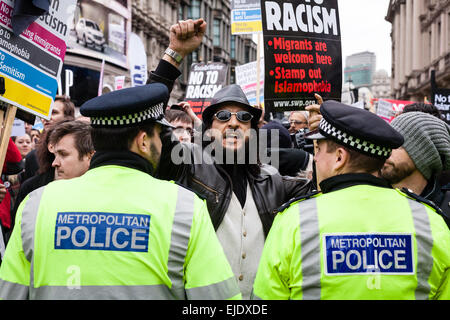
[[102, 231], [246, 15], [368, 253], [27, 74]]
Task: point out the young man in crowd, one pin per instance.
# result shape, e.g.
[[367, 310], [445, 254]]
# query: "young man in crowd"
[[417, 164], [183, 125], [73, 149], [63, 109], [185, 121]]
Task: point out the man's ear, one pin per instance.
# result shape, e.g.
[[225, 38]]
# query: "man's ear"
[[141, 142], [342, 158], [90, 155]]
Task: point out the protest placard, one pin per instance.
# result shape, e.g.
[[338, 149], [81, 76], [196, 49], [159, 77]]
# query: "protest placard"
[[205, 79], [302, 52], [388, 108], [246, 75], [441, 99], [138, 61], [31, 62], [119, 82], [246, 16]]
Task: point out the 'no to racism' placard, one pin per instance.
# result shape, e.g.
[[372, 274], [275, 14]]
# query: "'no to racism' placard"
[[205, 79], [302, 50]]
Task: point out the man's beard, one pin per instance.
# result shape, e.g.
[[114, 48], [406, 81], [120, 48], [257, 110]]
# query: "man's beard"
[[155, 156], [394, 173]]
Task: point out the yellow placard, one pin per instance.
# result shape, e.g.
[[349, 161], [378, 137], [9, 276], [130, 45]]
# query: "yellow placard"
[[246, 27], [19, 94]]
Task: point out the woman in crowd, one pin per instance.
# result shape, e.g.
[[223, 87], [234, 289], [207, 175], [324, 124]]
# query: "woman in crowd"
[[24, 144]]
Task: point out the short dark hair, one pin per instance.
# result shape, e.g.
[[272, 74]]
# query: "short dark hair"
[[69, 107], [81, 132], [358, 160], [44, 157], [177, 115], [118, 139], [423, 107]]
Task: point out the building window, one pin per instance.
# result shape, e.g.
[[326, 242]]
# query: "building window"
[[194, 10], [216, 32], [162, 8], [439, 27], [233, 47], [430, 45], [448, 31], [189, 61], [247, 54], [181, 12]]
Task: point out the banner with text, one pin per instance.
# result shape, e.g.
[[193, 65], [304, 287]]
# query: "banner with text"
[[246, 77], [245, 16], [205, 79], [387, 109], [441, 99], [31, 63], [137, 58], [302, 50]]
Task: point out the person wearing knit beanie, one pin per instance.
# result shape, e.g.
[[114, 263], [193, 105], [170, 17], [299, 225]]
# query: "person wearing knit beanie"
[[422, 157]]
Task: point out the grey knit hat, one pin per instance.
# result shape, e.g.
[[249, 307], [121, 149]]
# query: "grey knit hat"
[[427, 141]]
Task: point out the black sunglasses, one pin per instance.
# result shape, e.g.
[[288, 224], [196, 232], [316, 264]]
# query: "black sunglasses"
[[225, 115]]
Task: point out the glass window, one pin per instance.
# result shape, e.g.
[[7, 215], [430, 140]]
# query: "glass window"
[[194, 10], [216, 30], [181, 10], [194, 56], [233, 47]]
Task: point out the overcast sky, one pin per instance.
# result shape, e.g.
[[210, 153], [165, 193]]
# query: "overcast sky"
[[363, 28]]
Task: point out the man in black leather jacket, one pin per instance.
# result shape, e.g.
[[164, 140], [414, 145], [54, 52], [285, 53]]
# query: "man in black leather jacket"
[[235, 193], [213, 182]]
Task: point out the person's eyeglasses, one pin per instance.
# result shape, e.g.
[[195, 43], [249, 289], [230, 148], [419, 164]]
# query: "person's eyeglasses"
[[225, 115], [181, 129], [297, 122]]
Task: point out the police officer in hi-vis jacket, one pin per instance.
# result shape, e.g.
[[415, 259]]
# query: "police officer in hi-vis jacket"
[[358, 238], [116, 232]]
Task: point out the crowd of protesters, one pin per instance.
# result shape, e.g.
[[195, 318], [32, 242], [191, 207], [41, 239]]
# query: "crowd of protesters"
[[242, 195]]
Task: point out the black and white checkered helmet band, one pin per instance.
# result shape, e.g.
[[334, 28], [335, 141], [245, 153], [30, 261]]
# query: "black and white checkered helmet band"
[[356, 143], [155, 112]]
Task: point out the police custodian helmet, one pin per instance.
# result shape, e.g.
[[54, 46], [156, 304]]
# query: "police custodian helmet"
[[128, 107], [358, 129]]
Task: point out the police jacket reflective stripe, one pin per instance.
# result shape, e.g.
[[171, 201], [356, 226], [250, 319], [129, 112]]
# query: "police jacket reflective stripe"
[[2, 244], [64, 248], [361, 242]]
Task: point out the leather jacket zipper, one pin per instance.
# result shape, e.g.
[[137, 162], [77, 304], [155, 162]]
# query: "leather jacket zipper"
[[207, 188]]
